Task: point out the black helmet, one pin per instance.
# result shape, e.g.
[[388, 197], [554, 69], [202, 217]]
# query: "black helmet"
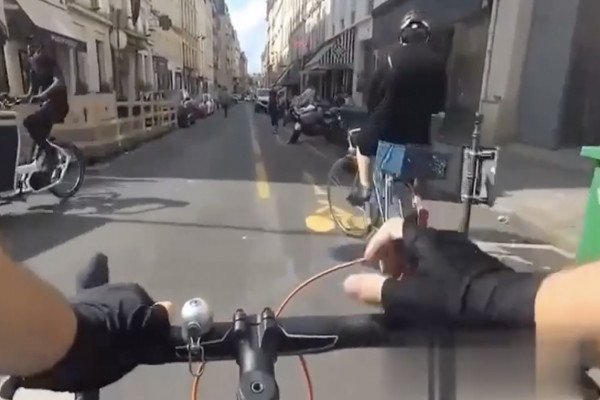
[[414, 28]]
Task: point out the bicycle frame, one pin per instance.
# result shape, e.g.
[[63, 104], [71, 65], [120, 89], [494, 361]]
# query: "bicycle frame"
[[388, 185], [23, 173], [27, 170]]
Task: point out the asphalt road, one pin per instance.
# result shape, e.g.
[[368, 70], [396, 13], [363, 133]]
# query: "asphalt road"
[[219, 210]]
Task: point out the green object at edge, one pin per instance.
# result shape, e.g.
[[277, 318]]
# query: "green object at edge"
[[589, 246]]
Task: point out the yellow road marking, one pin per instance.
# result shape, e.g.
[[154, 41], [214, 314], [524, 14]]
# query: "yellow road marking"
[[262, 181], [319, 223], [263, 188], [321, 220]]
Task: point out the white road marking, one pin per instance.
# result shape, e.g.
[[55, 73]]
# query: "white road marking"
[[549, 247]]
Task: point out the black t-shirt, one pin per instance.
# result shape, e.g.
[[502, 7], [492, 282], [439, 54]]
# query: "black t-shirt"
[[43, 70], [404, 95]]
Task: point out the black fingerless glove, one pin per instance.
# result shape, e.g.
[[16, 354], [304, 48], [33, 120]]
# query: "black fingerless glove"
[[503, 298], [453, 280], [118, 328]]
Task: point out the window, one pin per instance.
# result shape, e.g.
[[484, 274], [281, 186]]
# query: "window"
[[80, 73], [3, 74], [100, 58], [342, 24], [24, 69], [352, 17]]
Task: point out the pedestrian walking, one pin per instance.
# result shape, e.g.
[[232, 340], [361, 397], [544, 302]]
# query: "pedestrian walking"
[[273, 109], [225, 100]]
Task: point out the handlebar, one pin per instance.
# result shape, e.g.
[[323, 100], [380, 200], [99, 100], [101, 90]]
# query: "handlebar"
[[255, 341]]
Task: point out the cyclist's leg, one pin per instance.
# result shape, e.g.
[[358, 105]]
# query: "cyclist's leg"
[[274, 120], [295, 135], [39, 125], [366, 148]]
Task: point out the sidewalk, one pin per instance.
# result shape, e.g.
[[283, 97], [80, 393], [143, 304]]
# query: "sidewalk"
[[544, 192]]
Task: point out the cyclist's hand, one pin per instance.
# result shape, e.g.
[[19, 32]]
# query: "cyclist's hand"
[[453, 279], [35, 99], [366, 288], [119, 326], [386, 248]]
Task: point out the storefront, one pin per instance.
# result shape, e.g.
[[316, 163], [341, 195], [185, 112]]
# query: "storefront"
[[330, 69], [290, 78], [26, 20]]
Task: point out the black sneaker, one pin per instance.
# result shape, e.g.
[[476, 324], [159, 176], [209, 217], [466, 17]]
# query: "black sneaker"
[[359, 196], [50, 160]]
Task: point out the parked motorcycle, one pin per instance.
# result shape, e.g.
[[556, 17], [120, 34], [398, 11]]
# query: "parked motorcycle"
[[314, 120]]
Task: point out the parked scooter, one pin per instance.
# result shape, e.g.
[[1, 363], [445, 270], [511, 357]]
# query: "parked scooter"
[[313, 120]]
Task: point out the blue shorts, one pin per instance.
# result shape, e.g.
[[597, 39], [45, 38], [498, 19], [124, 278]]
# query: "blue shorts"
[[409, 162]]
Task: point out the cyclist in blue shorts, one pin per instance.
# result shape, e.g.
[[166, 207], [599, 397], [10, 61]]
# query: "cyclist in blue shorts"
[[405, 92]]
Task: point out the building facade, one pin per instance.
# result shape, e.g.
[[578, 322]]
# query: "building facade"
[[167, 39], [226, 48], [319, 43], [126, 46], [205, 32], [190, 45]]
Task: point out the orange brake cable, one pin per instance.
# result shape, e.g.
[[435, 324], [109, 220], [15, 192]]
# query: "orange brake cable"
[[303, 364]]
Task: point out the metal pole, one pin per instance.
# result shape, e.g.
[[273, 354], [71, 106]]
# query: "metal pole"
[[471, 174], [441, 363], [118, 54], [442, 351]]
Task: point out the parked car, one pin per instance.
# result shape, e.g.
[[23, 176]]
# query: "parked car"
[[186, 113], [200, 107], [186, 109], [237, 98], [262, 100], [248, 98], [210, 103]]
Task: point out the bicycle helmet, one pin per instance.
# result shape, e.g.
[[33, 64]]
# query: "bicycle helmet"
[[414, 29]]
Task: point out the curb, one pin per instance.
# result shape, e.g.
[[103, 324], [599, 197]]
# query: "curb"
[[95, 154], [533, 228]]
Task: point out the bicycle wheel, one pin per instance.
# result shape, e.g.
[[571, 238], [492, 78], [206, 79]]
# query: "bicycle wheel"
[[74, 176], [343, 177]]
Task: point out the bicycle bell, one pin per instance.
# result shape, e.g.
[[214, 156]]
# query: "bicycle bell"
[[197, 320]]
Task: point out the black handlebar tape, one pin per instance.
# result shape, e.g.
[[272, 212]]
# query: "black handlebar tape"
[[95, 274], [355, 331]]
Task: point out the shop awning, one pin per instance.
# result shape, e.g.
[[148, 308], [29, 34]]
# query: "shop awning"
[[290, 76], [53, 20], [336, 53]]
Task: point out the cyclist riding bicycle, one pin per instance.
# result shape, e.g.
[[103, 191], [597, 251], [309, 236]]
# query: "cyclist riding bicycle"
[[406, 90], [105, 332], [47, 85]]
